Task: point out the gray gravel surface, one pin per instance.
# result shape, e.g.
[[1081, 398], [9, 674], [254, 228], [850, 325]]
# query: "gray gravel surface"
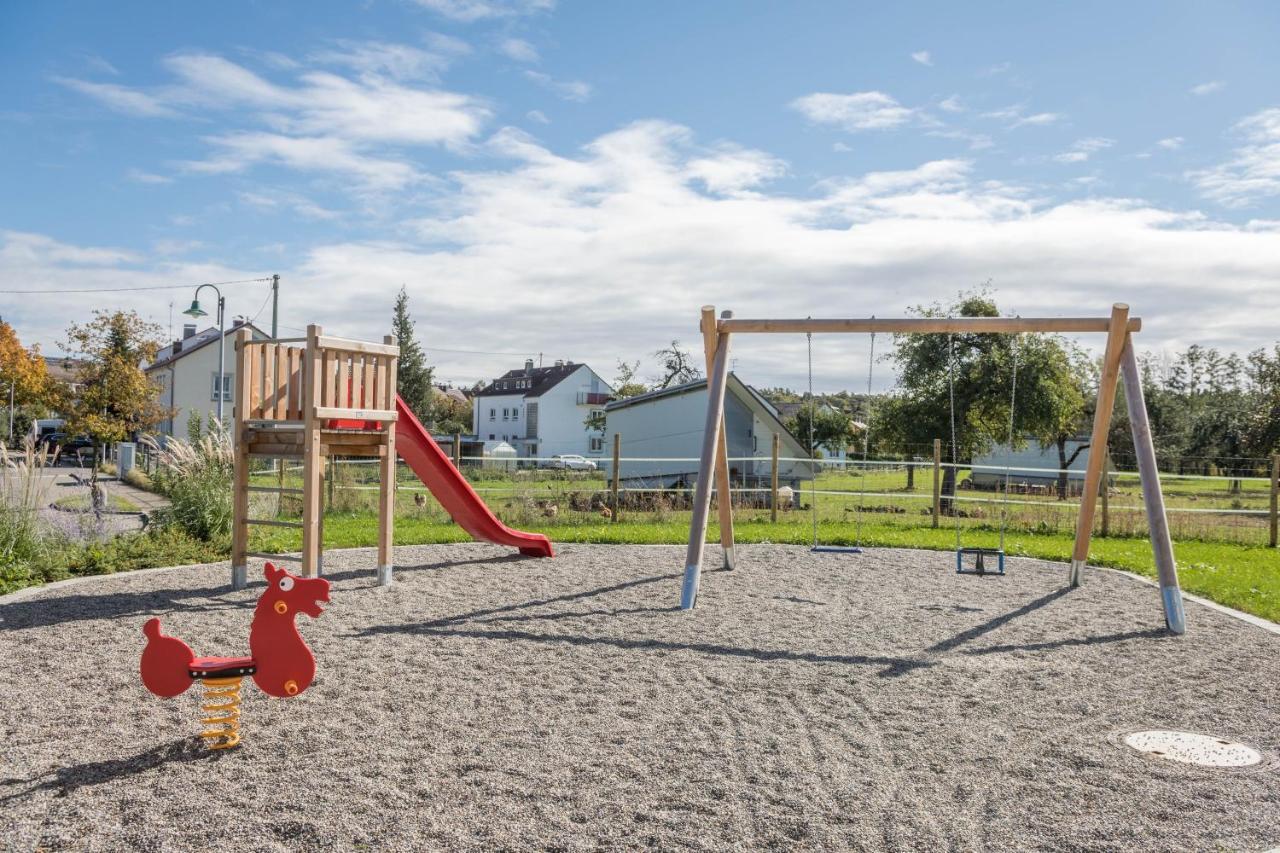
[[490, 702]]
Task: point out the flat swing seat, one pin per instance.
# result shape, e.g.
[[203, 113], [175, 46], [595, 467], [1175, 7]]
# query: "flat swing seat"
[[214, 667], [978, 561], [835, 549]]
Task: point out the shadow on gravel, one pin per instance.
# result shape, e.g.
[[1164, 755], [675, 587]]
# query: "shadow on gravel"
[[369, 572], [41, 612], [67, 780]]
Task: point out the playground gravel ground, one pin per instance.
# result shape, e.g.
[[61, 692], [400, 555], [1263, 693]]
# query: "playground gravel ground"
[[874, 701]]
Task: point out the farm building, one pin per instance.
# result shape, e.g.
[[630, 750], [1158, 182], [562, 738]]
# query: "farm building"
[[1031, 465], [661, 437]]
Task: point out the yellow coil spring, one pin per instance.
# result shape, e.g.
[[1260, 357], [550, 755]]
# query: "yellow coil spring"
[[221, 711]]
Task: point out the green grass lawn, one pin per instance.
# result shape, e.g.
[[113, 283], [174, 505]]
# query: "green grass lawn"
[[81, 503], [1239, 576]]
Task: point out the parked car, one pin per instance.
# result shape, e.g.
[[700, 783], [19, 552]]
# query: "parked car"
[[570, 462], [69, 447]]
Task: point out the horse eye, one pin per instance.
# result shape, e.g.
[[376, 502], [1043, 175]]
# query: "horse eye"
[[286, 583]]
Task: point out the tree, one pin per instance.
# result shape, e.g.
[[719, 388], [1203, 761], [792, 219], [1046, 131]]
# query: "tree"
[[1050, 395], [627, 384], [1262, 429], [22, 371], [451, 416], [831, 429], [677, 365], [115, 398], [413, 375]]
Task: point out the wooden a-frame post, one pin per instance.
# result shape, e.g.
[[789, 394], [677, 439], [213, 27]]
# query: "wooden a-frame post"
[[240, 480], [1117, 334], [724, 499], [312, 459], [387, 470]]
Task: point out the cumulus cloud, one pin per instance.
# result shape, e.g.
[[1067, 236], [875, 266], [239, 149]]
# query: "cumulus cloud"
[[953, 104], [854, 112], [1207, 88], [643, 225], [922, 56], [1253, 172], [1171, 143]]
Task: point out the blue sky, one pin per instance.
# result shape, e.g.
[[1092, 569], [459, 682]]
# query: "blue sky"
[[575, 179]]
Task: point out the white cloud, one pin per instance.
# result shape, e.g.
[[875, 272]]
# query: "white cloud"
[[952, 104], [1082, 149], [279, 199], [854, 112], [518, 49], [841, 148], [569, 90], [994, 70], [1172, 143], [122, 99], [175, 247], [143, 177], [1207, 88], [643, 225], [922, 56], [1253, 172], [396, 61], [1016, 117], [537, 115], [976, 141], [323, 122], [468, 11]]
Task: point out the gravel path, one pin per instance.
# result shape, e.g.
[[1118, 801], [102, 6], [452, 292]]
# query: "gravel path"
[[483, 701]]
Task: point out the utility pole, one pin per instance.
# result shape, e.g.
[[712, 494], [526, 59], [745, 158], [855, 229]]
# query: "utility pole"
[[275, 305]]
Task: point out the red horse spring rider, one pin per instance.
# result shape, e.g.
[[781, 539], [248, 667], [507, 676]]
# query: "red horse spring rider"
[[279, 660]]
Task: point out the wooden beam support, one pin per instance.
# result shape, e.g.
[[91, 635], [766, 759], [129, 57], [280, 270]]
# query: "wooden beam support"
[[724, 495], [773, 478], [350, 346], [387, 469], [312, 458], [1116, 337], [922, 325], [240, 476]]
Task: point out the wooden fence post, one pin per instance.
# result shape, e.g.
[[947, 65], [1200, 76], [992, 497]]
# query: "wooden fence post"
[[1275, 498], [773, 481], [617, 473], [937, 480]]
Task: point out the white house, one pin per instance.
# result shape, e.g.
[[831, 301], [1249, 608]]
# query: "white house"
[[1032, 465], [187, 373], [543, 411], [661, 436]]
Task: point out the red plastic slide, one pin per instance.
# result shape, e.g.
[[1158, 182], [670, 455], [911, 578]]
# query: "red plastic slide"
[[435, 469]]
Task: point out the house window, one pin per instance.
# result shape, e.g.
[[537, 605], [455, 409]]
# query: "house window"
[[492, 414], [491, 436], [228, 382], [597, 445], [505, 414]]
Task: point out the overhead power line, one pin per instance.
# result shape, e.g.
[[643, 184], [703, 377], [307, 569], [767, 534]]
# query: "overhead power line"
[[130, 289]]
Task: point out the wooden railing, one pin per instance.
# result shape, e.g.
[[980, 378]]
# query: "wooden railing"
[[356, 380]]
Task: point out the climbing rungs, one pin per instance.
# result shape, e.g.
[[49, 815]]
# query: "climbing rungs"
[[286, 557], [273, 490], [271, 522]]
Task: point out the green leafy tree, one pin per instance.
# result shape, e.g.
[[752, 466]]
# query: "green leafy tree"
[[1050, 394], [115, 398], [413, 376], [832, 429], [451, 416]]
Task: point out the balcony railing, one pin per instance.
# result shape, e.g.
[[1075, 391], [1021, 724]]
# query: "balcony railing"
[[586, 398]]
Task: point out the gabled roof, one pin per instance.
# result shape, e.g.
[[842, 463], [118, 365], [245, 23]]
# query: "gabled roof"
[[532, 382], [740, 389], [167, 356]]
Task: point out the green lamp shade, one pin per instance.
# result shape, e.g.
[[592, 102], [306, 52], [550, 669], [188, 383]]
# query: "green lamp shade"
[[195, 310]]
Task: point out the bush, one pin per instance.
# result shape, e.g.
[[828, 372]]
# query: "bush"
[[195, 475], [165, 546], [25, 538], [139, 480]]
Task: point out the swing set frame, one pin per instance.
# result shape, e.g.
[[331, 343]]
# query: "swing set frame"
[[1119, 360]]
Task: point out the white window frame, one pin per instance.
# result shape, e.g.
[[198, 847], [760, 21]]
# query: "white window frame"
[[228, 385]]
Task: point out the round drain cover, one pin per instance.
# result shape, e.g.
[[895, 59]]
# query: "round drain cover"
[[1191, 748]]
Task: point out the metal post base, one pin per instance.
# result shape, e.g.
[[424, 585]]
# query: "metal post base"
[[1174, 618], [730, 558], [384, 576], [239, 577], [1077, 572], [689, 590]]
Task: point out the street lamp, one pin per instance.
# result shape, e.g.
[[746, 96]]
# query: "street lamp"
[[196, 311]]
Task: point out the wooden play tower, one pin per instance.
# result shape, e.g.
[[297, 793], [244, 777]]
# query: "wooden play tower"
[[310, 399]]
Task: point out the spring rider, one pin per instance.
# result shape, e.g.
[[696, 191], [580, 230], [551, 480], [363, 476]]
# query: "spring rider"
[[280, 662]]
